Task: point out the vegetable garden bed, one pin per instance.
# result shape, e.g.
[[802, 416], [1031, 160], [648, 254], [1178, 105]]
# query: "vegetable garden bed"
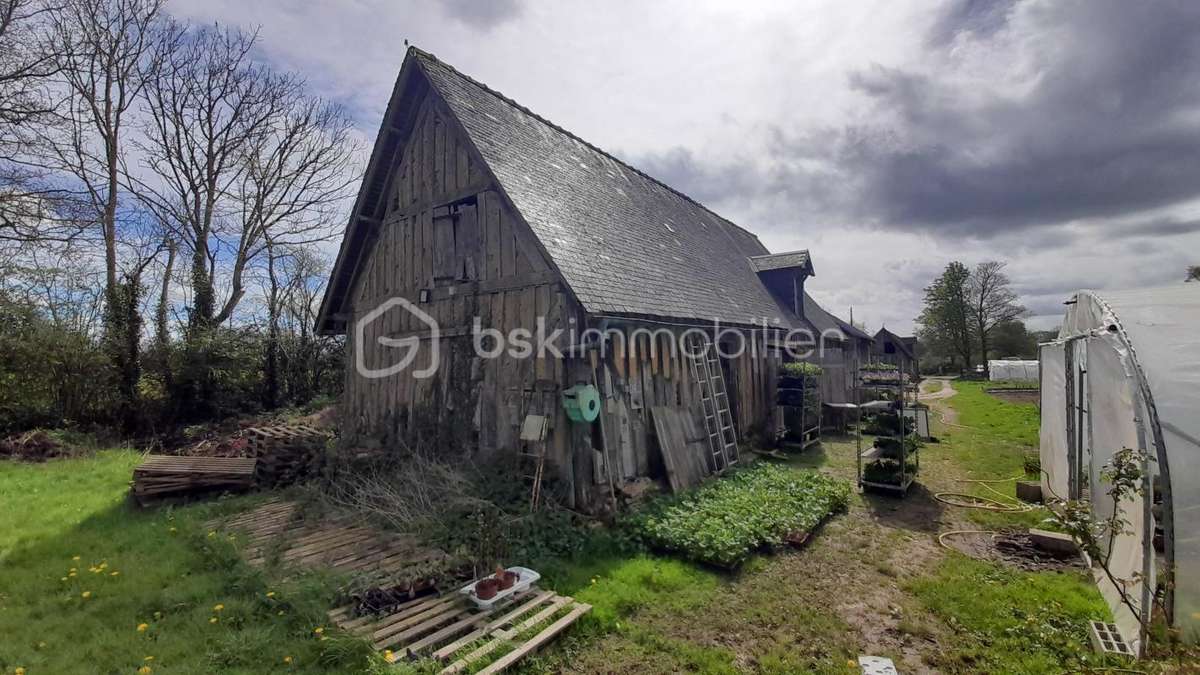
[[724, 521]]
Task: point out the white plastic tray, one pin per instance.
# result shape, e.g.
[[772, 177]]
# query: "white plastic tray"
[[525, 578]]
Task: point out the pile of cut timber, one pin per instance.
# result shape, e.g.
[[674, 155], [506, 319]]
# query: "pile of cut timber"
[[286, 453], [162, 476]]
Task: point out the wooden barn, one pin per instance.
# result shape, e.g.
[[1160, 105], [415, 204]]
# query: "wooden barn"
[[896, 350], [479, 213]]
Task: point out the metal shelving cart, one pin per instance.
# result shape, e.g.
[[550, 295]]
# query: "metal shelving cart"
[[895, 449], [798, 398]]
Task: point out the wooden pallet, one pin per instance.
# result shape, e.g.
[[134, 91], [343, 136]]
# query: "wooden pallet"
[[326, 543], [286, 453], [449, 629], [161, 476]]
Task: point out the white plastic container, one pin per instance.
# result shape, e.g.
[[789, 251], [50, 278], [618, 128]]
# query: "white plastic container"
[[525, 578]]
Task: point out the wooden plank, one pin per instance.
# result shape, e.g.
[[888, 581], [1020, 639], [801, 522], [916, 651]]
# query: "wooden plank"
[[434, 621], [547, 634], [437, 636], [390, 627], [500, 637]]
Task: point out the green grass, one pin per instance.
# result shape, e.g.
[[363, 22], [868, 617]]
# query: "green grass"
[[1000, 420], [1010, 621], [132, 566]]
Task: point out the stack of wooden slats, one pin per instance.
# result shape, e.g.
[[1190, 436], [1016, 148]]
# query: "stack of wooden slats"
[[286, 453], [162, 476]]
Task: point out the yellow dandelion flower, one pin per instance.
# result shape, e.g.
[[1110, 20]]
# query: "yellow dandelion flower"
[[64, 578], [85, 595], [158, 615], [71, 570], [212, 533], [75, 558], [102, 566], [172, 530], [388, 656], [18, 671], [281, 612], [145, 670], [147, 658], [287, 660], [71, 574], [114, 573], [270, 594], [318, 630], [218, 607], [41, 645], [213, 620], [141, 627]]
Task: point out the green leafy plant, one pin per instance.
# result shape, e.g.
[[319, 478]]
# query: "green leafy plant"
[[1123, 476], [724, 521], [801, 369]]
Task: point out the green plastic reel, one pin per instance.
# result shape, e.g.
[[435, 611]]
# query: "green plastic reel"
[[582, 403]]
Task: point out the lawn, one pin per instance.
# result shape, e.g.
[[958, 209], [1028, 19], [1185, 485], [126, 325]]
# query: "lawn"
[[871, 580], [93, 584]]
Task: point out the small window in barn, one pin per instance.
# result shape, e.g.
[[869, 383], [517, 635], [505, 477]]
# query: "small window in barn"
[[466, 240], [443, 245]]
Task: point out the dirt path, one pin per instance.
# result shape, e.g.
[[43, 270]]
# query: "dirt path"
[[936, 400]]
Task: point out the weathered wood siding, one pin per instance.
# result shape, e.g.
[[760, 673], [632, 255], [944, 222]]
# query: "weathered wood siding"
[[639, 371], [449, 233]]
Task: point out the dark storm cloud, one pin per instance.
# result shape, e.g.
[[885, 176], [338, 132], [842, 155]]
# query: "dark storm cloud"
[[483, 15], [1108, 125]]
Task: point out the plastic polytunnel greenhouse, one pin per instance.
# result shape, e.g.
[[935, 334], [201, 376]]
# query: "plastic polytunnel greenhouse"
[[1125, 373]]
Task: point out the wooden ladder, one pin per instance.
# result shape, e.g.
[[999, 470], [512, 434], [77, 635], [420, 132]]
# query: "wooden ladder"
[[714, 401]]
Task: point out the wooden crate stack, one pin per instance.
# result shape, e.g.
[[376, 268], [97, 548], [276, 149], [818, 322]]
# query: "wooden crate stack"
[[286, 453], [161, 476]]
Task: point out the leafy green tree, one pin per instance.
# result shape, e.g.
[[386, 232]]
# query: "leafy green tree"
[[945, 321], [1193, 273], [1010, 338]]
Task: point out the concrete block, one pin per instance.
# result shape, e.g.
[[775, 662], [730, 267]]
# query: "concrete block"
[[1055, 542], [1029, 491]]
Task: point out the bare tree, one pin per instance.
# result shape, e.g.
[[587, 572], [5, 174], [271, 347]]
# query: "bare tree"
[[992, 302], [105, 52], [296, 175], [209, 105], [30, 209]]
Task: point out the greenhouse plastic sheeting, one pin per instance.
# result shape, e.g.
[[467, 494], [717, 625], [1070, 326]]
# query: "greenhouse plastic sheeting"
[[1054, 421], [1150, 337], [1111, 390], [1013, 370]]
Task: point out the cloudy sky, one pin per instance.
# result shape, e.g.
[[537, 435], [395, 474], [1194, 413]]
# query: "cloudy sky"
[[886, 137]]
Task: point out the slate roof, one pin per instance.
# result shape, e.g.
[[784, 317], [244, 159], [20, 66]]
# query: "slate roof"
[[780, 261], [626, 243]]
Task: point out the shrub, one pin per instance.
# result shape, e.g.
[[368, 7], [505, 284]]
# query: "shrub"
[[723, 521]]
